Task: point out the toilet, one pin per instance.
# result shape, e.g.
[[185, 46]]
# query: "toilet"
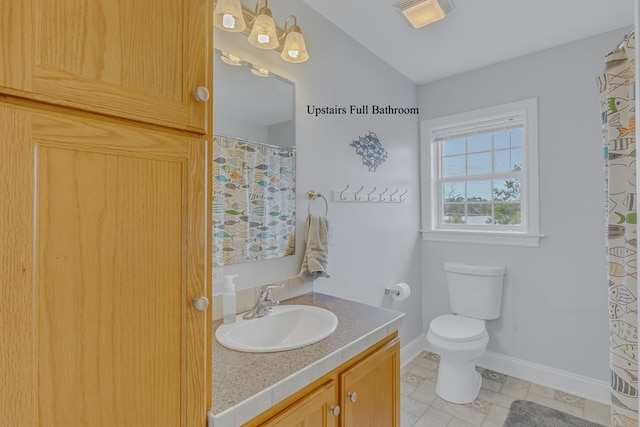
[[475, 296]]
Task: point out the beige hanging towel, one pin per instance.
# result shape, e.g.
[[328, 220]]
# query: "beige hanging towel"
[[316, 254]]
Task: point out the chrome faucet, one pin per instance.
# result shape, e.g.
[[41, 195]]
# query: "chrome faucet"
[[265, 303]]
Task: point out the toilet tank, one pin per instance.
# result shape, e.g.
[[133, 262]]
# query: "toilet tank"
[[475, 290]]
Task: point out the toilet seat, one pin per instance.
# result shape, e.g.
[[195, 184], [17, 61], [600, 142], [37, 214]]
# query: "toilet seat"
[[451, 327]]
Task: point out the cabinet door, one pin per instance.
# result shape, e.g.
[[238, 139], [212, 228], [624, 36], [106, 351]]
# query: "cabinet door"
[[103, 231], [371, 389], [140, 60], [314, 410]]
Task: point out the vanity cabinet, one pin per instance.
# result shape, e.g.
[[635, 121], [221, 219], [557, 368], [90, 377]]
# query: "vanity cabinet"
[[366, 388], [140, 60]]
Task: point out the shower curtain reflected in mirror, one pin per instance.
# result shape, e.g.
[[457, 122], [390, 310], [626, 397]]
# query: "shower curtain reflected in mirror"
[[617, 101], [253, 201]]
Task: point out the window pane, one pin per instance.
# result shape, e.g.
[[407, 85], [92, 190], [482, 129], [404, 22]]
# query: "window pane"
[[502, 161], [453, 166], [478, 191], [507, 214], [506, 190], [453, 146], [453, 214], [478, 213], [516, 159], [453, 192], [479, 143], [516, 138], [501, 140], [479, 163]]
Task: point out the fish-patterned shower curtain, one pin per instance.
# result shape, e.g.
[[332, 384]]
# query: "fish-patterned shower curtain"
[[617, 101], [253, 201]]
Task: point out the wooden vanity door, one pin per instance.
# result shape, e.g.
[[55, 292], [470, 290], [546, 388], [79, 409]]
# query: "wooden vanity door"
[[314, 410], [109, 253], [376, 383]]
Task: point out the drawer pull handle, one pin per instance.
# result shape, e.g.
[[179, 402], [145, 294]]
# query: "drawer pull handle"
[[352, 396], [335, 410]]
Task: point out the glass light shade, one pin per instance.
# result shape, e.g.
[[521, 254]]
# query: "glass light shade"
[[228, 16], [263, 34], [294, 49]]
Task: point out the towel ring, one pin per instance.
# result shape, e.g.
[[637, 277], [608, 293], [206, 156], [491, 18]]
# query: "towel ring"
[[314, 195]]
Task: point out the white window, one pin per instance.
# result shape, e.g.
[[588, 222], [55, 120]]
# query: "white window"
[[480, 169]]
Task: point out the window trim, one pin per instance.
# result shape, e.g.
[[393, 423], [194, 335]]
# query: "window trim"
[[530, 236]]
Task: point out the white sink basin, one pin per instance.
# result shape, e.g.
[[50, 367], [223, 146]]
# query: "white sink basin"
[[286, 328]]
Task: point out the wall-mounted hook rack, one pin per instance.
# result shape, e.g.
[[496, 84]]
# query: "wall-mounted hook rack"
[[370, 196]]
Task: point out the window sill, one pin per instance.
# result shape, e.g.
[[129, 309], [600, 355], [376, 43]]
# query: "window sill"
[[483, 237]]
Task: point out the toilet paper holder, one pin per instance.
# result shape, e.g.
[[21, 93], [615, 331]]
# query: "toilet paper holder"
[[399, 291], [388, 291]]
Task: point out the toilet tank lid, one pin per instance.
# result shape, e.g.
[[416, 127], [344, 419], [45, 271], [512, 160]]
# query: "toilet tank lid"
[[474, 269]]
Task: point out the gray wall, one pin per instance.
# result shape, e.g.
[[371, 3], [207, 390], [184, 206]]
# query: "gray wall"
[[555, 306], [376, 245]]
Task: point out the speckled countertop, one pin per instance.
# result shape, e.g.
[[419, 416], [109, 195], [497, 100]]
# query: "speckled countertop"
[[247, 384]]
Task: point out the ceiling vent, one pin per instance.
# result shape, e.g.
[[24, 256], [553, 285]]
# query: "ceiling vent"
[[423, 12]]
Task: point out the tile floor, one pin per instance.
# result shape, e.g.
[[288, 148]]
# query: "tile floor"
[[421, 407]]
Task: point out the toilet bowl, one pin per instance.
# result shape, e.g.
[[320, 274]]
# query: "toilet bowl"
[[459, 341]]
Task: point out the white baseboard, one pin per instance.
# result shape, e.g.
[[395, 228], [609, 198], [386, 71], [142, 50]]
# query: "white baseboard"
[[578, 385], [411, 350], [557, 379]]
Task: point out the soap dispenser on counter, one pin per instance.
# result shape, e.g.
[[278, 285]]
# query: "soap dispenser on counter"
[[229, 299]]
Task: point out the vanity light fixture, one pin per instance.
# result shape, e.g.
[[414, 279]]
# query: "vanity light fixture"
[[424, 12], [263, 34], [233, 60], [228, 16], [230, 59], [259, 71], [294, 49]]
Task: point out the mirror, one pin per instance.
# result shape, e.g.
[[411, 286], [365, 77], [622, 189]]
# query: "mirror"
[[253, 163]]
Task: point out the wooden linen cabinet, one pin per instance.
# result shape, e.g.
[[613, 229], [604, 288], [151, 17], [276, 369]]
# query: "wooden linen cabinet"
[[104, 213]]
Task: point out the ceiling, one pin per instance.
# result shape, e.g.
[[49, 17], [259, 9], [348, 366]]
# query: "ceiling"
[[475, 34]]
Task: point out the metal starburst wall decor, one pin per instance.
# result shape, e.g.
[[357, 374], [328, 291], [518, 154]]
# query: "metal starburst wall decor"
[[370, 149]]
